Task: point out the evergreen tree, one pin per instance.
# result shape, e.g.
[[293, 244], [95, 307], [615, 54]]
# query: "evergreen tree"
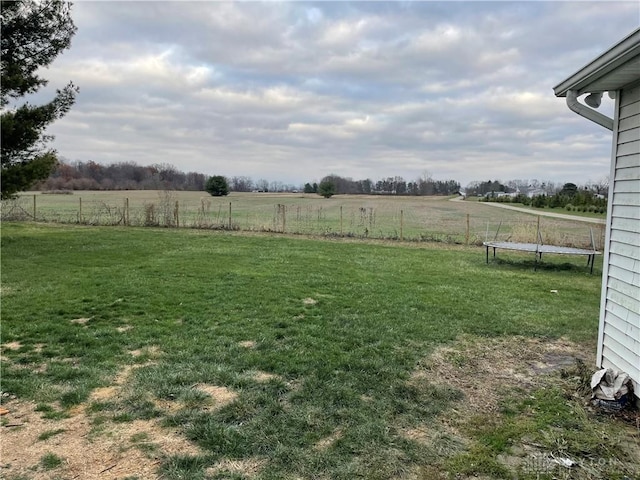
[[217, 186], [34, 33], [326, 188]]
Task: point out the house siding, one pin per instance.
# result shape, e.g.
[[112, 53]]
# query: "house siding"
[[619, 345]]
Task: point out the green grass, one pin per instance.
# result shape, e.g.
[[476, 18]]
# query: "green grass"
[[50, 433], [49, 461], [341, 362]]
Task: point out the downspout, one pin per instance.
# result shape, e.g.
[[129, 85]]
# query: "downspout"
[[586, 112]]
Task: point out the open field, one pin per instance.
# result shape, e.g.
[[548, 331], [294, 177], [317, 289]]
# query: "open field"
[[144, 353], [360, 216]]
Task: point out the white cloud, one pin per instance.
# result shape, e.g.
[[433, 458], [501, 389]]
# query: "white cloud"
[[292, 91]]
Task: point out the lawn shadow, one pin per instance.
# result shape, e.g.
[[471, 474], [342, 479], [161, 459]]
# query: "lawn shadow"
[[543, 265]]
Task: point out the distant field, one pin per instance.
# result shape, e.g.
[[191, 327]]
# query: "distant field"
[[361, 216]]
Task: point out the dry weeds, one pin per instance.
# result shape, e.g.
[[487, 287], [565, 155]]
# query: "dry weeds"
[[12, 346], [262, 377], [485, 368], [81, 321], [249, 467], [151, 351]]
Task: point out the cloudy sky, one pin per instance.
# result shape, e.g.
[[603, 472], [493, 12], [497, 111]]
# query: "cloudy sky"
[[293, 91]]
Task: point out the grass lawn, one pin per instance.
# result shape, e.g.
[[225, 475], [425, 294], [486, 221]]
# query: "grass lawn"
[[166, 353]]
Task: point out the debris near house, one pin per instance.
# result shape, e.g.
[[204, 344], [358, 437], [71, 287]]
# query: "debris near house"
[[611, 390]]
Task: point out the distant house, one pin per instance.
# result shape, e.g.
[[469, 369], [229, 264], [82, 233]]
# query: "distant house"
[[534, 192], [617, 71], [500, 194]]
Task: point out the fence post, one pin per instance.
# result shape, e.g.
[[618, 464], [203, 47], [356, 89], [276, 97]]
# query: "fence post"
[[466, 235], [126, 211], [341, 221], [176, 214], [229, 215], [401, 225], [80, 212], [34, 208], [283, 207]]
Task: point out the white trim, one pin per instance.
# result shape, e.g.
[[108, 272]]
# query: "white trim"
[[609, 61], [607, 238]]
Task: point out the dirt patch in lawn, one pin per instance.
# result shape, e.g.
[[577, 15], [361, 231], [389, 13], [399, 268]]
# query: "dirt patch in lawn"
[[247, 344], [91, 450], [12, 346], [488, 371], [80, 321], [221, 395], [485, 368], [151, 351], [104, 393], [87, 453], [248, 467], [262, 377]]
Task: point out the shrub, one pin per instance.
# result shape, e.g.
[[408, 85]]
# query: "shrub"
[[539, 201]]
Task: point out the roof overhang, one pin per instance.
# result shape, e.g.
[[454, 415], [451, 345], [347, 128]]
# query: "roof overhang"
[[615, 68]]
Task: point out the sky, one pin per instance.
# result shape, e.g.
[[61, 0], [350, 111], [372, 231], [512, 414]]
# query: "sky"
[[294, 91]]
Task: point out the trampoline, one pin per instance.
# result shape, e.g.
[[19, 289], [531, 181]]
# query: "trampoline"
[[539, 249]]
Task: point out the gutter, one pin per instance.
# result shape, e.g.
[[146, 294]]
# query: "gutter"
[[624, 51], [586, 112]]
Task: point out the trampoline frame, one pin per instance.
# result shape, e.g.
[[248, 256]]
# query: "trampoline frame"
[[539, 248]]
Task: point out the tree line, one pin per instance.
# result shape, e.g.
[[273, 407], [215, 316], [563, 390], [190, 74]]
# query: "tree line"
[[570, 197], [531, 187], [120, 176], [386, 186], [91, 175]]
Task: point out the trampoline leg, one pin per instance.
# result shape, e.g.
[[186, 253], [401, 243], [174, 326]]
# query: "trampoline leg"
[[487, 254]]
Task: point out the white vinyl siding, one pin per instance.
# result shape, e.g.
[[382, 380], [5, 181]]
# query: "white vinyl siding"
[[620, 313]]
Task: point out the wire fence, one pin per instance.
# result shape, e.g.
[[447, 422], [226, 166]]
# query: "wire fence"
[[358, 217]]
